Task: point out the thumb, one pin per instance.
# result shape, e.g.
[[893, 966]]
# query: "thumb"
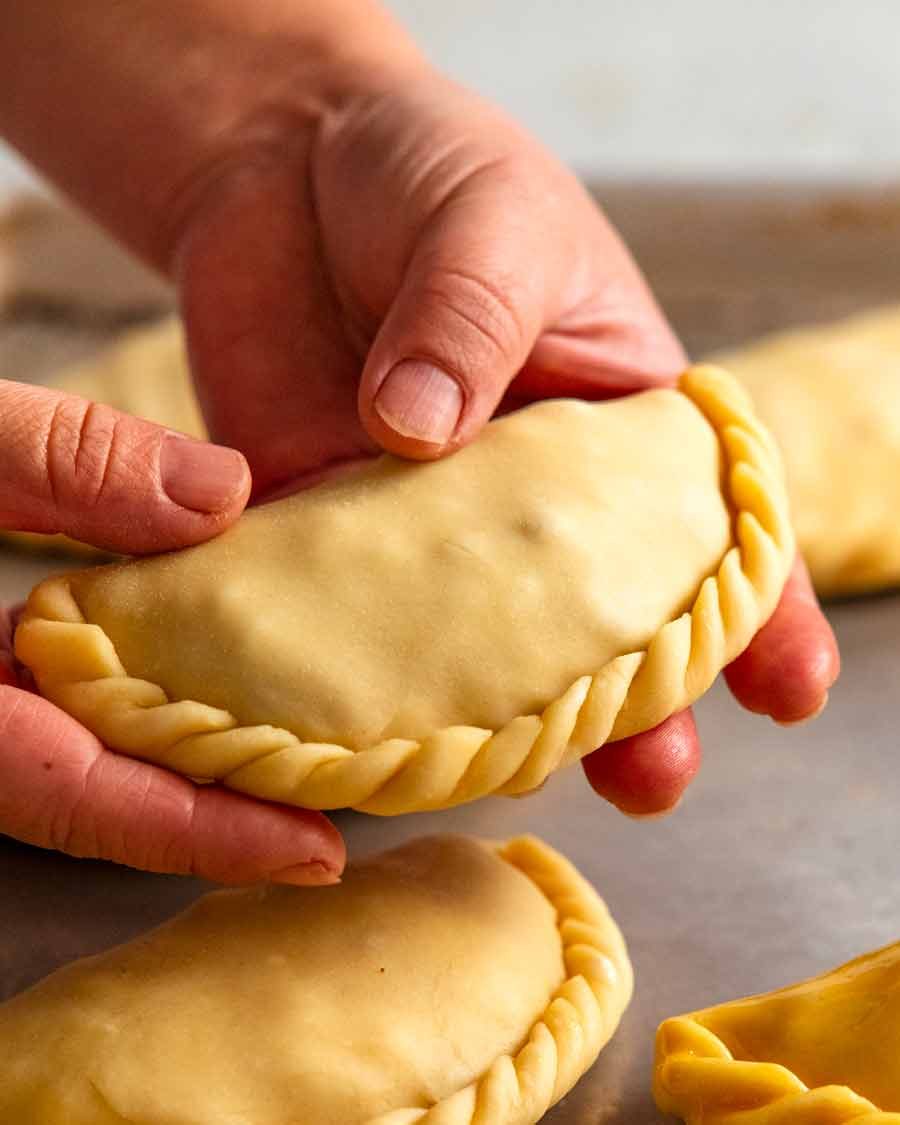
[[69, 465], [472, 303]]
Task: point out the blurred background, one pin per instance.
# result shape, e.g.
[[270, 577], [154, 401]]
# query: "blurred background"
[[695, 89]]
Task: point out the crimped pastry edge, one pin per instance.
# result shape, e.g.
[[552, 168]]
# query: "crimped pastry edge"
[[577, 1023], [76, 666], [697, 1078]]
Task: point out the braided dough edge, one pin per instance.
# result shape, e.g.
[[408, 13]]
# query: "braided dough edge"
[[698, 1079], [75, 665], [578, 1022]]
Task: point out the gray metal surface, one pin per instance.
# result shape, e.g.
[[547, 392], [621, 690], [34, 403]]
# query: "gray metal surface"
[[780, 863]]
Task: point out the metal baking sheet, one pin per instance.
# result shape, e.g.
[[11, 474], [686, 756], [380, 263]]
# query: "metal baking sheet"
[[781, 860]]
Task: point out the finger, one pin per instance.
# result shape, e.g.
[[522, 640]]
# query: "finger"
[[72, 466], [475, 295], [793, 660], [647, 774], [506, 289], [62, 789]]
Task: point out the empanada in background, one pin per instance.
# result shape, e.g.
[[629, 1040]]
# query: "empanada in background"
[[446, 982], [831, 397], [823, 1052], [414, 636]]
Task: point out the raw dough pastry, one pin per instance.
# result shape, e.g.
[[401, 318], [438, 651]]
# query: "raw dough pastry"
[[447, 982], [823, 1052], [832, 399], [145, 374], [416, 636]]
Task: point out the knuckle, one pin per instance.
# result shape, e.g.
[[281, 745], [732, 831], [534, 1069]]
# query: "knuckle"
[[486, 314], [81, 450]]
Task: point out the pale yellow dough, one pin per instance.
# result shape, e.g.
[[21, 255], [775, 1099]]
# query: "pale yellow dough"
[[414, 636], [823, 1052], [144, 374], [447, 982], [831, 396]]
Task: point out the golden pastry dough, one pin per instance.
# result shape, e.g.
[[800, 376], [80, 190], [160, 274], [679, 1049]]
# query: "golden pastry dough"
[[144, 374], [415, 636], [823, 1052], [447, 982], [831, 396]]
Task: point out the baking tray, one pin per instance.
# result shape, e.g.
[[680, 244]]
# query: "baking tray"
[[781, 861]]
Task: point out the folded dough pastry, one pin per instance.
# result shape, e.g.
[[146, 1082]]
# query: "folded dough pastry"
[[144, 374], [447, 982], [414, 636], [831, 396], [823, 1052]]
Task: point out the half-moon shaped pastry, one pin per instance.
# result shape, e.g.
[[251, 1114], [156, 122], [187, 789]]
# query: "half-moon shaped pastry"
[[447, 982], [823, 1052], [145, 374], [413, 636], [831, 396]]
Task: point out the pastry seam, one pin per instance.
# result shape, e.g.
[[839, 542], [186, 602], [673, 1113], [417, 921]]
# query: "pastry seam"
[[697, 1078], [579, 1020], [75, 665]]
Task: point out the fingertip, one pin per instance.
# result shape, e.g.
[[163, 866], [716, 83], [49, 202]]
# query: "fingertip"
[[793, 661], [265, 842], [647, 774], [204, 478], [416, 410]]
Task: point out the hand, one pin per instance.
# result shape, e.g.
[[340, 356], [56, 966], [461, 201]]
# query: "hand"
[[128, 486], [394, 273]]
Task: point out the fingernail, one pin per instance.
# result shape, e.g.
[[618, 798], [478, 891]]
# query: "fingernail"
[[805, 718], [315, 874], [420, 401], [199, 476]]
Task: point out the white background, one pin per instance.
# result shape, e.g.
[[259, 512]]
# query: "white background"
[[721, 88]]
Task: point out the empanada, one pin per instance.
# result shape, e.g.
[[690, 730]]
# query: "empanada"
[[447, 982], [144, 374], [414, 636], [832, 399], [823, 1052]]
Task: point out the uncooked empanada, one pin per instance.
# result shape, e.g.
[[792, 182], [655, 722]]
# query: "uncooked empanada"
[[144, 374], [832, 399], [447, 982], [413, 636], [823, 1052]]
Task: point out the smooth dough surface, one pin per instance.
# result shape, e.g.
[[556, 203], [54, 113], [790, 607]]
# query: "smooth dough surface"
[[409, 598], [831, 396], [413, 636], [816, 1052], [395, 991]]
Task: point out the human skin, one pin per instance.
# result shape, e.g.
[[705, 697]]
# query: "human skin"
[[367, 256]]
